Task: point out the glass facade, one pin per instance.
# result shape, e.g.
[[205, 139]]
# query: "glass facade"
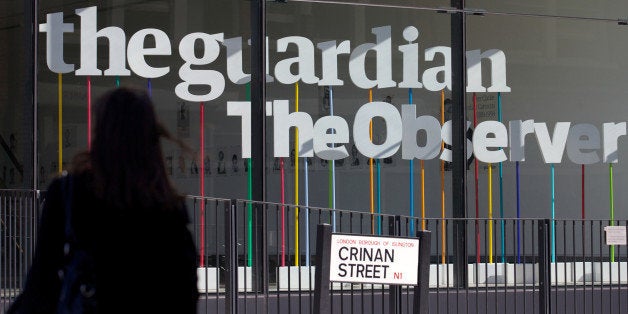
[[550, 62]]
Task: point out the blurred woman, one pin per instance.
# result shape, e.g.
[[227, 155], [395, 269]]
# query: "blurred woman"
[[125, 213]]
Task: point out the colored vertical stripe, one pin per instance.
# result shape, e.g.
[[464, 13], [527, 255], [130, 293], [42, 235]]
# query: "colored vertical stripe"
[[379, 196], [501, 188], [422, 196], [490, 213], [117, 81], [371, 186], [296, 179], [553, 226], [442, 183]]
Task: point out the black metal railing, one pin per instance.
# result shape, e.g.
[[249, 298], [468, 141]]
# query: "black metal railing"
[[512, 265]]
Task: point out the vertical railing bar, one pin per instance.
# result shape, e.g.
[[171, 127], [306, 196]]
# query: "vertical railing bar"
[[342, 290], [12, 255], [457, 286], [231, 250], [15, 288], [591, 261], [352, 290], [3, 277], [278, 243], [476, 269], [362, 285], [601, 259], [438, 258], [299, 290], [11, 281], [447, 301], [554, 268], [7, 239], [3, 258], [565, 263], [266, 290], [309, 272], [619, 281], [217, 249], [583, 253], [493, 222], [486, 263], [537, 273], [610, 273], [516, 271], [288, 246], [514, 240], [573, 262], [24, 232]]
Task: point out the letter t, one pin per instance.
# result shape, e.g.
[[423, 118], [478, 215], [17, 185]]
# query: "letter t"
[[54, 29]]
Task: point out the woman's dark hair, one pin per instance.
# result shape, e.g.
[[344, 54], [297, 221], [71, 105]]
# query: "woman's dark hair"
[[126, 158]]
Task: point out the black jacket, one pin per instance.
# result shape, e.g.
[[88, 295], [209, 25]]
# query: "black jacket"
[[145, 259]]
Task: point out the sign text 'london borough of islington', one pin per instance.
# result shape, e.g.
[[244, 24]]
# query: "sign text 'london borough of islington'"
[[378, 260]]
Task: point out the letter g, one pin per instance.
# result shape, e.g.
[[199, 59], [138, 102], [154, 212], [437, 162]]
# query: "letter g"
[[214, 79]]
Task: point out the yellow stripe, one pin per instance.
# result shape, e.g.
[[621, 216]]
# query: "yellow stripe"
[[490, 213], [296, 179], [60, 122]]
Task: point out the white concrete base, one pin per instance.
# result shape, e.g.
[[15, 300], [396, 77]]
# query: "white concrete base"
[[523, 274], [561, 273], [441, 275], [295, 278], [488, 273], [207, 279], [614, 272], [601, 272], [245, 283], [344, 286]]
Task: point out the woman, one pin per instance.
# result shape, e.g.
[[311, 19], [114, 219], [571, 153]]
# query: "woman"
[[126, 213]]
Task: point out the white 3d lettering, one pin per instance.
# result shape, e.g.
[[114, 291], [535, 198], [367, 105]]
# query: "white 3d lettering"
[[581, 141], [134, 54]]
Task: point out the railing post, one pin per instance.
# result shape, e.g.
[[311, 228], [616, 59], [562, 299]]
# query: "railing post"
[[394, 291], [421, 302], [231, 253], [322, 298], [544, 266]]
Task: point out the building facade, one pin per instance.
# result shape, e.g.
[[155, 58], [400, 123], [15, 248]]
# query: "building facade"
[[371, 82]]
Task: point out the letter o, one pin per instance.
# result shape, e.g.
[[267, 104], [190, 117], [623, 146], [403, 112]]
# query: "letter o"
[[361, 124]]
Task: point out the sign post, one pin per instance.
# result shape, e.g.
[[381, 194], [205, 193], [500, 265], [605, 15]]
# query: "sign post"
[[374, 260]]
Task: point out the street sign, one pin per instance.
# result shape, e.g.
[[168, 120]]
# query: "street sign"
[[376, 260]]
